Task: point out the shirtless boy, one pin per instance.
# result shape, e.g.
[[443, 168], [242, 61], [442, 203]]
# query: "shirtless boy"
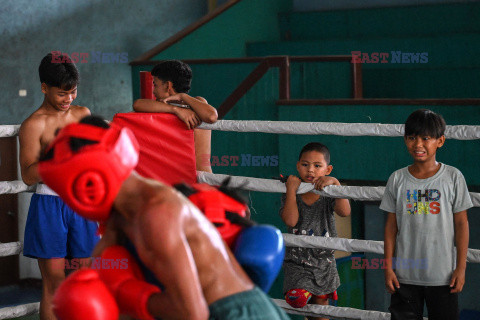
[[53, 231]]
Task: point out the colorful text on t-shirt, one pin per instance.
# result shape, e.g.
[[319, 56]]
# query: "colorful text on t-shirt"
[[423, 201]]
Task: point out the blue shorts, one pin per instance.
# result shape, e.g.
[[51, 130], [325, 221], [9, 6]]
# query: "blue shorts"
[[53, 230]]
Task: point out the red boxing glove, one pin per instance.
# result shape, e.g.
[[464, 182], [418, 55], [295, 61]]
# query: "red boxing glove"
[[125, 280], [84, 296]]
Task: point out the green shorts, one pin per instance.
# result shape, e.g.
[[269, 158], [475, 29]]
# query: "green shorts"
[[248, 305]]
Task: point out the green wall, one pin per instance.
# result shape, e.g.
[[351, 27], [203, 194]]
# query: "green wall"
[[395, 22], [31, 29], [449, 33], [225, 36]]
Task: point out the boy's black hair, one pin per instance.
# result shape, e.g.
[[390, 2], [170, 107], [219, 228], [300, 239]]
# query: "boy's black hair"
[[63, 75], [424, 122], [77, 143], [176, 71], [316, 146]]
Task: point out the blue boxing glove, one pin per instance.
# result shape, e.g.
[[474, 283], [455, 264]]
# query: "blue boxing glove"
[[260, 251]]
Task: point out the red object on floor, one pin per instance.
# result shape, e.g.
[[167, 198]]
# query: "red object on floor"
[[298, 298], [146, 85], [167, 147], [333, 296]]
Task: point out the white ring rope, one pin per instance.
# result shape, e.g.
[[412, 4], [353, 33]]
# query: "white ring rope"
[[20, 310], [268, 185], [340, 313], [350, 245], [10, 248], [9, 130], [461, 132], [14, 187], [261, 185]]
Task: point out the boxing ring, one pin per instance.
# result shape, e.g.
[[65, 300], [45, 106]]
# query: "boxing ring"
[[360, 193]]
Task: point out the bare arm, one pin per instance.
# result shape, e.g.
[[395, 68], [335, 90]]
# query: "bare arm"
[[206, 112], [32, 131], [342, 206], [188, 116], [199, 105], [148, 105], [30, 148], [203, 142], [391, 230], [461, 242], [173, 264], [289, 213]]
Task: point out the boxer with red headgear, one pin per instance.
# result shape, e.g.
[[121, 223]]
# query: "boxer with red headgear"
[[258, 248], [89, 181], [172, 238]]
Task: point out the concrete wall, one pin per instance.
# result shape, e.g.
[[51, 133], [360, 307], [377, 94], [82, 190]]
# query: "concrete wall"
[[31, 29]]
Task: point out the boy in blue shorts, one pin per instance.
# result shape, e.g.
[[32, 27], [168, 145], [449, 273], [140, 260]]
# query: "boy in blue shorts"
[[427, 206], [53, 232]]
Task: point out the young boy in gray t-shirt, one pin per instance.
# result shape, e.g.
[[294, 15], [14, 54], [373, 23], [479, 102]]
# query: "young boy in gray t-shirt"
[[427, 206], [311, 274]]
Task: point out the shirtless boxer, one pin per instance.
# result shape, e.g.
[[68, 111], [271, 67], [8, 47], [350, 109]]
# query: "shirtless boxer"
[[200, 276]]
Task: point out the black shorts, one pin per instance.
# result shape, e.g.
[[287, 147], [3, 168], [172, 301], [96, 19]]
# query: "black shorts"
[[407, 303]]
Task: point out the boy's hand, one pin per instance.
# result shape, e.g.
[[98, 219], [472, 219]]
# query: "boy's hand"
[[324, 181], [188, 116], [175, 97], [457, 281], [391, 281], [293, 183]]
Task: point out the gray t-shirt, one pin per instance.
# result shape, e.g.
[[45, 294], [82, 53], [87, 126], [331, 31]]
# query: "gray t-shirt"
[[425, 246], [311, 269]]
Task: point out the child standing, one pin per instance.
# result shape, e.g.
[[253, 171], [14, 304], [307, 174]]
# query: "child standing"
[[427, 206], [53, 232], [311, 274]]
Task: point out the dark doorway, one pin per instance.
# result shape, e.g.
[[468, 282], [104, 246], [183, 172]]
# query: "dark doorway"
[[9, 273]]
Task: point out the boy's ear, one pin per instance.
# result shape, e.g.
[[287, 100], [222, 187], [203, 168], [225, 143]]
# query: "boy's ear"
[[441, 141], [170, 88], [329, 169], [44, 87], [298, 165]]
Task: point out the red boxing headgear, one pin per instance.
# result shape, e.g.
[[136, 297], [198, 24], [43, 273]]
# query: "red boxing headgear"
[[89, 180], [215, 204]]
